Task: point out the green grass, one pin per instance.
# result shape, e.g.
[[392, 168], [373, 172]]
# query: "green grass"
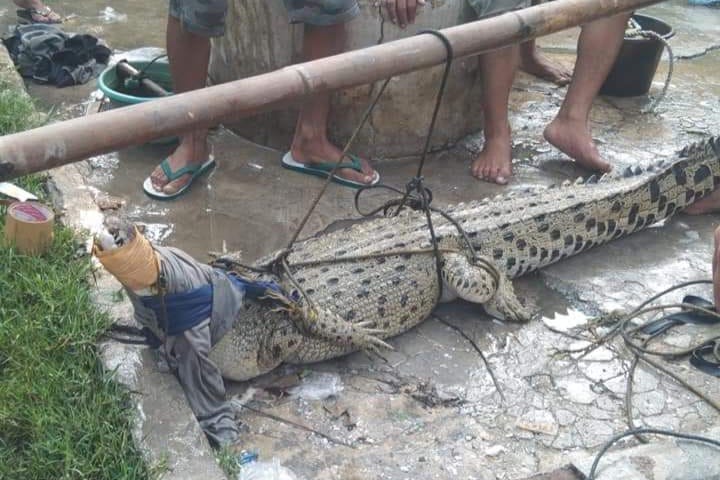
[[228, 461], [17, 110], [61, 415]]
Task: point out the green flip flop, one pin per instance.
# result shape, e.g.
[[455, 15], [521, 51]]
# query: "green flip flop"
[[194, 170], [323, 170]]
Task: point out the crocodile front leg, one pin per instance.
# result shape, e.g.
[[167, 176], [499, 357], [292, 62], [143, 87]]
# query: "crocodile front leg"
[[480, 281], [322, 323], [327, 325]]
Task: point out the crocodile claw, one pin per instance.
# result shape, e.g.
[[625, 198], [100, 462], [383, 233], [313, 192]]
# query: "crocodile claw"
[[367, 338], [377, 344]]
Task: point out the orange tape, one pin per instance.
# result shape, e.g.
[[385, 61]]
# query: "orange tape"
[[135, 264]]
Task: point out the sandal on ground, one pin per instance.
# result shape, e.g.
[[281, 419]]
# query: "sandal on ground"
[[194, 170], [44, 15], [323, 170]]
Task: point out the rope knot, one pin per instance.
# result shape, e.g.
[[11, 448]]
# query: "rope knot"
[[417, 195]]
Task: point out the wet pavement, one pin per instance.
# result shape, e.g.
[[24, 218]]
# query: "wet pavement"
[[430, 409]]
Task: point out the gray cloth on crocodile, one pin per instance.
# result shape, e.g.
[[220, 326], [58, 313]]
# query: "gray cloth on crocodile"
[[187, 353]]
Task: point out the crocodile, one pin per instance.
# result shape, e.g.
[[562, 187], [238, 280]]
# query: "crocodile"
[[359, 285], [352, 288]]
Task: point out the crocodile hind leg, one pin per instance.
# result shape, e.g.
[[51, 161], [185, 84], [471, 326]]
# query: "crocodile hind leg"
[[505, 304], [480, 281]]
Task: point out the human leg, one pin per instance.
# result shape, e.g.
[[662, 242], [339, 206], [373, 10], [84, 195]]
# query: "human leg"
[[497, 70], [324, 35], [598, 47], [532, 61], [188, 49], [708, 204]]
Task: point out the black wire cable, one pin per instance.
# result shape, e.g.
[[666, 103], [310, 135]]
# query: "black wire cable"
[[646, 431], [141, 73]]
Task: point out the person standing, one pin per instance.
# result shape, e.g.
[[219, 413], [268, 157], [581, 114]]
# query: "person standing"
[[569, 132], [191, 25]]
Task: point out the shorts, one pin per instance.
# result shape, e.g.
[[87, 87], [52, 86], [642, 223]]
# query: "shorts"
[[321, 12], [488, 8], [202, 17]]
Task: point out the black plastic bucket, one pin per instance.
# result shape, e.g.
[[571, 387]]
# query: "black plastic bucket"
[[637, 61]]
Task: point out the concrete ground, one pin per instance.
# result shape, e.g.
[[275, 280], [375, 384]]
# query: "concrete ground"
[[429, 409]]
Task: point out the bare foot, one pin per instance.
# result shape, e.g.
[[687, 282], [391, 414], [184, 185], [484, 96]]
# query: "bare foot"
[[193, 150], [709, 204], [573, 138], [494, 163], [539, 65], [322, 151]]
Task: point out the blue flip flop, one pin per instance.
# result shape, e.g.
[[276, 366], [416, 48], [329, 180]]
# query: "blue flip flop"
[[323, 170], [194, 170]]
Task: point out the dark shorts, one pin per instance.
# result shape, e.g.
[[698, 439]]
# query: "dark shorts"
[[203, 17], [321, 12], [488, 8]]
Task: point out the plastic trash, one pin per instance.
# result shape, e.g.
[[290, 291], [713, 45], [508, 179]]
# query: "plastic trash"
[[318, 386], [272, 470], [110, 15], [247, 457]]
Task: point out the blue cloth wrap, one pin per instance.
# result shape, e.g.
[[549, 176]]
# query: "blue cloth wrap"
[[254, 289], [186, 310], [183, 311]]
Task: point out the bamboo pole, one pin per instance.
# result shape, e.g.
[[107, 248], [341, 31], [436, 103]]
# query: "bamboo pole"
[[73, 140]]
